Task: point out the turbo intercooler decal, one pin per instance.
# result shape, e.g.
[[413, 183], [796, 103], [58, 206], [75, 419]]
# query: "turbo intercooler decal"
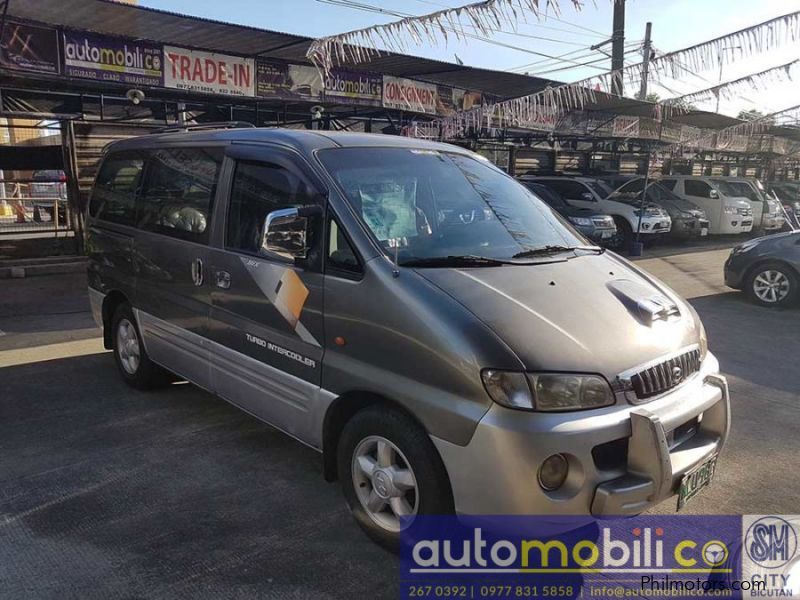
[[285, 290]]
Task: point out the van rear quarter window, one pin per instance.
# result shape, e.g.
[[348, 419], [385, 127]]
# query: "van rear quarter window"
[[178, 192]]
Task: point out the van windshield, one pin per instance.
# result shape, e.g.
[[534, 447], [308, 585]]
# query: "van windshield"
[[427, 204]]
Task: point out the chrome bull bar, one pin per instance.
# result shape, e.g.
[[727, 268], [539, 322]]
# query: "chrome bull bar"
[[653, 469]]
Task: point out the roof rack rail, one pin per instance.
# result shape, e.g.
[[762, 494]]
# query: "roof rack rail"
[[206, 126]]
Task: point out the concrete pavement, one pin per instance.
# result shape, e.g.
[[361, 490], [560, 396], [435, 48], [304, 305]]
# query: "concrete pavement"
[[107, 492]]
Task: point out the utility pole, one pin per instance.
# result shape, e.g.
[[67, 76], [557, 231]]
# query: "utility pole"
[[646, 63], [618, 47]]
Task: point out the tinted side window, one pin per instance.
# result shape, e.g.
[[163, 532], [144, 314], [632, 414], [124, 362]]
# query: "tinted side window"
[[571, 190], [696, 188], [178, 192], [114, 195], [668, 183], [258, 189]]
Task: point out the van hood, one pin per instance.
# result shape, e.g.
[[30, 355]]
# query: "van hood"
[[589, 314]]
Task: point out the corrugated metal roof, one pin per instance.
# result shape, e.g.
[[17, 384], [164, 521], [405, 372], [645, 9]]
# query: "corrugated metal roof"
[[138, 22]]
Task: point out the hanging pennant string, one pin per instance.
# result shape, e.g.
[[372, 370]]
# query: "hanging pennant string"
[[558, 100], [733, 135], [755, 82], [486, 18]]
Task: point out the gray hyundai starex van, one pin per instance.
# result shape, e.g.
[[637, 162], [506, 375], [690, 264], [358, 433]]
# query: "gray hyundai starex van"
[[439, 334]]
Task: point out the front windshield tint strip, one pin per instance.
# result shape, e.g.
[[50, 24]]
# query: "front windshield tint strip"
[[443, 205]]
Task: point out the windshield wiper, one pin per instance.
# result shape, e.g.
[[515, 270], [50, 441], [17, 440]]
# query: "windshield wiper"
[[453, 261], [556, 249]]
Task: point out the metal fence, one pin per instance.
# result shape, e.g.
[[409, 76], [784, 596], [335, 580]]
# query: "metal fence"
[[34, 207]]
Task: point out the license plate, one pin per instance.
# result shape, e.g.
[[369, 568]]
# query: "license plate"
[[604, 235], [704, 231], [695, 480]]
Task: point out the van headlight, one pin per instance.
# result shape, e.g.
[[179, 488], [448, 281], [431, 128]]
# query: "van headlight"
[[547, 392]]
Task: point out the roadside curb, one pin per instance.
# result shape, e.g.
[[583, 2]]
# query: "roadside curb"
[[57, 265]]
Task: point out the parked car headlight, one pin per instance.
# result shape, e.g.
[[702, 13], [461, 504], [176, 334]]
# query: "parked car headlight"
[[583, 221], [547, 392], [730, 210]]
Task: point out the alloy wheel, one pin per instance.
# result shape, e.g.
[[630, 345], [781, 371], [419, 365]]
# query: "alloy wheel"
[[771, 286], [384, 482], [128, 346]]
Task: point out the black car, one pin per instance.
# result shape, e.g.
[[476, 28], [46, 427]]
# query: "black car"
[[767, 269], [688, 220], [594, 225]]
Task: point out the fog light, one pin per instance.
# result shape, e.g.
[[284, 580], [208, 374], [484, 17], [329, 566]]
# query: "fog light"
[[645, 225], [553, 472], [734, 223]]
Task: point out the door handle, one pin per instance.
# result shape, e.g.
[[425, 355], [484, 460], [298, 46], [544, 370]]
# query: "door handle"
[[197, 271], [223, 279]]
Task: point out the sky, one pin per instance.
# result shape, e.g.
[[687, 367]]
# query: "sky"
[[676, 24]]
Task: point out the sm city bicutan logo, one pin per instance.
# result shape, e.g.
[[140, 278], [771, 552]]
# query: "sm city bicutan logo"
[[771, 542], [647, 551]]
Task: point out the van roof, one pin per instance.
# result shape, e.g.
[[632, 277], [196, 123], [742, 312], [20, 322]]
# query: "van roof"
[[301, 140]]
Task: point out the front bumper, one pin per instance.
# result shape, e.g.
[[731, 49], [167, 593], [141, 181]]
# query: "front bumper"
[[659, 441], [598, 234], [773, 222]]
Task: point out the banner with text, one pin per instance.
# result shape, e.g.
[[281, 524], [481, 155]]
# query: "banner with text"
[[350, 87], [208, 72], [104, 58], [406, 94], [284, 81], [29, 48]]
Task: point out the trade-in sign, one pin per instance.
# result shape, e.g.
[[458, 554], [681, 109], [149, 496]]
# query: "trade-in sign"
[[111, 59], [208, 72], [29, 47]]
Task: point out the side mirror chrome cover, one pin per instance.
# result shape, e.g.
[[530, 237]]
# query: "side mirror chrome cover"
[[285, 234]]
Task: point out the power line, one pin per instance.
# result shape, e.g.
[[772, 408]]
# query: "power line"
[[586, 32], [546, 64]]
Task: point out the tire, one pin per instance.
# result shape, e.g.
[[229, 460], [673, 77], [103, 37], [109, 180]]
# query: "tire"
[[622, 240], [772, 284], [134, 365], [427, 490]]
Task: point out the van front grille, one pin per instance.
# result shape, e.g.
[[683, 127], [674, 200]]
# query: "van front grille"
[[664, 376]]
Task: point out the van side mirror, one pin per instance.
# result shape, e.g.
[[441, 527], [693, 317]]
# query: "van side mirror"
[[713, 194], [285, 232]]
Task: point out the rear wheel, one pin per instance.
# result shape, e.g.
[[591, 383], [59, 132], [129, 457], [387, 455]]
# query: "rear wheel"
[[136, 368], [772, 284], [390, 469]]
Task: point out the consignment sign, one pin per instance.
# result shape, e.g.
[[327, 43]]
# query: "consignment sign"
[[208, 72]]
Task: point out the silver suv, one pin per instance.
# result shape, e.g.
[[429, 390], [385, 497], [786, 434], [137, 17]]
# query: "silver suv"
[[443, 338]]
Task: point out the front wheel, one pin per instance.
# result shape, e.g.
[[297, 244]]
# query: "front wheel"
[[136, 368], [772, 284], [390, 472]]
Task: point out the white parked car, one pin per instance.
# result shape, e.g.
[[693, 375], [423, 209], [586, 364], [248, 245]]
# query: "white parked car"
[[767, 212], [586, 192], [727, 213]]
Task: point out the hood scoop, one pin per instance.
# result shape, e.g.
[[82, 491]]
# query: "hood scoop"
[[643, 301]]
